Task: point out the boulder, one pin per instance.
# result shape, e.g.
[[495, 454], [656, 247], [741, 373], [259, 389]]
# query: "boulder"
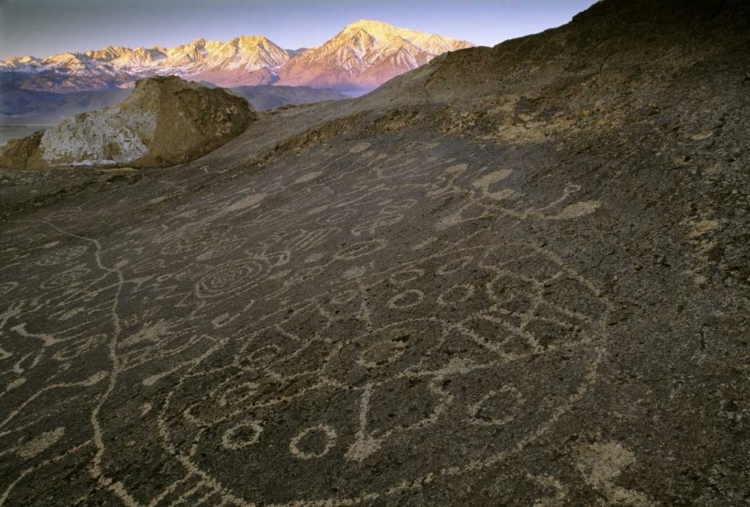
[[165, 121]]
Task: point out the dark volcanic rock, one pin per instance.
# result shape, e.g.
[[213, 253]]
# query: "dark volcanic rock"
[[517, 276]]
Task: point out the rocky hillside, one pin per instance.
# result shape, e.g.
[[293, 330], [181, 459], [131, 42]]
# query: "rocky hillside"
[[515, 276]]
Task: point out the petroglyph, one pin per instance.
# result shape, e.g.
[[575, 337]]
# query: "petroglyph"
[[298, 321], [40, 443], [246, 202], [326, 432], [235, 438]]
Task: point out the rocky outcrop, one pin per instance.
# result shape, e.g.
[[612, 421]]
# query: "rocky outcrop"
[[165, 121], [22, 153]]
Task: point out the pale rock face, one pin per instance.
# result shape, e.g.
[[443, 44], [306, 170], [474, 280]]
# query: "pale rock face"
[[99, 138]]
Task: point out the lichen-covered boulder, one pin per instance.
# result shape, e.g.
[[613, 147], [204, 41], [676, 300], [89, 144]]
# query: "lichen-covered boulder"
[[165, 121]]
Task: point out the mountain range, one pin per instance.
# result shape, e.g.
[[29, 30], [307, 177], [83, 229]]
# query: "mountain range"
[[360, 58]]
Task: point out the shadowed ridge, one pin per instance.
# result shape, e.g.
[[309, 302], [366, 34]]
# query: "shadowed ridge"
[[629, 38]]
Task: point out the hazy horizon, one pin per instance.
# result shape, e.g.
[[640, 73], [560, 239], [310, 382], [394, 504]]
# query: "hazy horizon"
[[45, 27]]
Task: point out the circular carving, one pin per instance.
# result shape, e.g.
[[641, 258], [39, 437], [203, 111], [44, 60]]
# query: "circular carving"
[[241, 435], [457, 294], [228, 278], [366, 393], [329, 440], [406, 300]]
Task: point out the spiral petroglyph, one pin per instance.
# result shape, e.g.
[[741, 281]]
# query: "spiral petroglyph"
[[228, 278]]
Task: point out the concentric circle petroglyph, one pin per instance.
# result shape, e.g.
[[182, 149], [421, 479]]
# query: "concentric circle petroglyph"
[[228, 278]]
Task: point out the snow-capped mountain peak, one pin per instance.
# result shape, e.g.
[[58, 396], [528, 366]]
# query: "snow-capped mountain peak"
[[377, 29], [190, 60], [363, 55]]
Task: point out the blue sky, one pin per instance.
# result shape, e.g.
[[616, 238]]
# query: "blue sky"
[[46, 27]]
